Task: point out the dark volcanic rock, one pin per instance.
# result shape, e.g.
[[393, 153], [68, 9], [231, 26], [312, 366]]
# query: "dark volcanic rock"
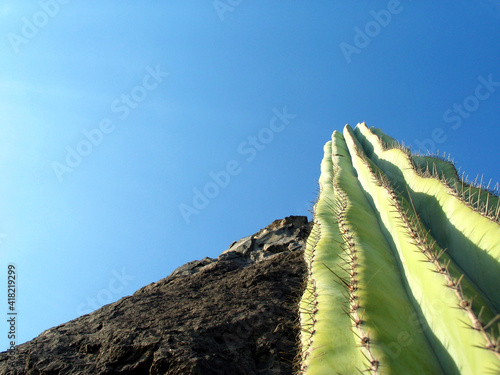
[[236, 314]]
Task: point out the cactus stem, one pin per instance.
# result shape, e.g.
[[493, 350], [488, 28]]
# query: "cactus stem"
[[375, 235]]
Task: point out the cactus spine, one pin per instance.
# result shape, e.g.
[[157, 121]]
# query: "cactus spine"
[[403, 265]]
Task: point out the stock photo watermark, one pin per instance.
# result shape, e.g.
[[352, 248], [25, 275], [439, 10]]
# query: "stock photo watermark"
[[458, 112], [122, 107], [12, 290], [364, 36], [32, 25], [249, 149], [106, 295], [223, 6]]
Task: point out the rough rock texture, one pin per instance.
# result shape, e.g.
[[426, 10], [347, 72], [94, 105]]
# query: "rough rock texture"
[[236, 314]]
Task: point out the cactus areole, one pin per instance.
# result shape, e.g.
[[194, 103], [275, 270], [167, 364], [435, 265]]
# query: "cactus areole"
[[403, 265]]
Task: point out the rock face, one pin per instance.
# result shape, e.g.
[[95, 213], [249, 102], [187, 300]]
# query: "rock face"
[[236, 314]]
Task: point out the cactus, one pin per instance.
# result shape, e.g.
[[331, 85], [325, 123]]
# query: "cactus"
[[403, 264]]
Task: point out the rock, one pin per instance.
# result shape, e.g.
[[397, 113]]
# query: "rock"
[[236, 314], [191, 267]]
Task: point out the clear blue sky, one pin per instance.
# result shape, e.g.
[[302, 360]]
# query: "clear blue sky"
[[171, 93]]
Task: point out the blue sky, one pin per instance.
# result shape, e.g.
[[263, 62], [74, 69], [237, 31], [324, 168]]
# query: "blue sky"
[[114, 115]]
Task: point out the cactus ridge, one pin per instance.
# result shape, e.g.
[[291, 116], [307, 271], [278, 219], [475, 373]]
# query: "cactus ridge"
[[322, 306], [444, 266], [309, 300], [479, 196], [470, 238], [454, 275], [351, 284], [385, 293]]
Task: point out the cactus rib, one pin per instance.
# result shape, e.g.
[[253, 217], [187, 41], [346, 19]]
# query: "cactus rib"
[[403, 264], [471, 239], [450, 332]]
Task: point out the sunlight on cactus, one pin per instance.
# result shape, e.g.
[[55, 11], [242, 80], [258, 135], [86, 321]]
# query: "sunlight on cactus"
[[403, 264]]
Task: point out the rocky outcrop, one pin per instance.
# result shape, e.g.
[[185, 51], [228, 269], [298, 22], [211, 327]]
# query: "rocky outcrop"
[[236, 314]]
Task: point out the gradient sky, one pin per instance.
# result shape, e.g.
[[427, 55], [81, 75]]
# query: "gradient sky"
[[171, 93]]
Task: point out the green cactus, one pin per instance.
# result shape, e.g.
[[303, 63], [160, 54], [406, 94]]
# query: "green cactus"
[[403, 265]]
